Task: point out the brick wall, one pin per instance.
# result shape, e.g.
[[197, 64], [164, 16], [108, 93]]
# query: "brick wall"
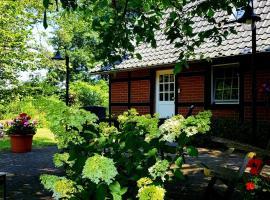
[[191, 89], [142, 110], [119, 92], [184, 110], [118, 110], [140, 91]]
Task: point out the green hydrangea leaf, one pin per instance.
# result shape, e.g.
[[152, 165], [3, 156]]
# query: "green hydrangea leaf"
[[192, 151]]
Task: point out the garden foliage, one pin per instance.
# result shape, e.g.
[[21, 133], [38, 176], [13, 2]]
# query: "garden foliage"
[[138, 159]]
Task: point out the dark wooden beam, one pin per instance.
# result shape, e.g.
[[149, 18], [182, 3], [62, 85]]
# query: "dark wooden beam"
[[187, 104], [131, 79], [176, 87], [130, 104], [241, 93], [207, 88], [110, 96], [129, 89], [192, 73], [152, 91]]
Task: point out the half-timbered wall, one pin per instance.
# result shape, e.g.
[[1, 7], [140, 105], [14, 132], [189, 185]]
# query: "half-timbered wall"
[[136, 89]]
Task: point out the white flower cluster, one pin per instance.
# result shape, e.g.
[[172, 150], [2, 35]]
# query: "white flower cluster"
[[191, 130], [171, 128], [159, 169]]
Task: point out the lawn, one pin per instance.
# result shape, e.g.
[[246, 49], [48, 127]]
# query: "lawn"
[[44, 137]]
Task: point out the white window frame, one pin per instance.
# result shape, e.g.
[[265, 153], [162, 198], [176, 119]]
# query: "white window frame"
[[228, 65]]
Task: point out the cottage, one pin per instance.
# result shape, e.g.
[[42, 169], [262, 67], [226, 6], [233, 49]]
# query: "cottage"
[[222, 85]]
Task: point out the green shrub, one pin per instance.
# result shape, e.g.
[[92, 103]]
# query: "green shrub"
[[241, 131], [102, 162], [86, 94], [27, 105]]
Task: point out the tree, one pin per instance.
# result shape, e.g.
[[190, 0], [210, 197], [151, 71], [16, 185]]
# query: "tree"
[[72, 34], [123, 24], [17, 53]]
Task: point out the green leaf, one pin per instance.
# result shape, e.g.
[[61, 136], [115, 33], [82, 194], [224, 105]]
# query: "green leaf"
[[123, 190], [115, 187], [116, 190], [179, 174], [179, 161], [152, 152], [210, 12], [178, 68], [46, 3], [138, 56], [101, 192], [192, 151], [116, 196]]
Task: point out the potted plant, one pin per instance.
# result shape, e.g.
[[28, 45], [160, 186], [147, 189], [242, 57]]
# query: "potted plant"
[[21, 131]]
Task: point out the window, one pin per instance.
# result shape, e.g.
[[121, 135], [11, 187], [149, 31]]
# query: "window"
[[166, 87], [225, 84]]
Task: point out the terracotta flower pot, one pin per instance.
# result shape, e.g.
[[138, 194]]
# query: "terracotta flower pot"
[[21, 143]]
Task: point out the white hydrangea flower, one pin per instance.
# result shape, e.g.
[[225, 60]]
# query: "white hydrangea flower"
[[190, 131], [171, 129]]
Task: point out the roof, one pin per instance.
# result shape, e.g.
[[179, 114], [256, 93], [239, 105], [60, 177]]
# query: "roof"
[[236, 44]]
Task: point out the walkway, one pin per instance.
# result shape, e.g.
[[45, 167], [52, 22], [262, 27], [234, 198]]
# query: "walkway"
[[24, 171]]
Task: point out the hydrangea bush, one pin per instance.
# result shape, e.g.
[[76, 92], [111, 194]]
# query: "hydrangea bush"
[[136, 160]]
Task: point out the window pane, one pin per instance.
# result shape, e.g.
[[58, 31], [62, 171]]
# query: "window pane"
[[161, 78], [166, 97], [235, 94], [171, 96], [171, 78], [226, 94], [171, 87], [166, 87], [235, 83], [228, 84], [219, 84], [228, 72], [161, 97], [160, 87], [166, 78], [218, 95]]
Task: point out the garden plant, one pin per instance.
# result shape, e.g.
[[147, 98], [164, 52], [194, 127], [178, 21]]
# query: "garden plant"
[[137, 160], [255, 186]]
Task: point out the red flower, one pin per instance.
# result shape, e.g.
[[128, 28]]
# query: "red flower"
[[23, 115], [250, 186], [255, 165]]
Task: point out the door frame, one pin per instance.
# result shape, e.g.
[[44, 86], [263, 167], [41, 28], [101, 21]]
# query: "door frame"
[[159, 72]]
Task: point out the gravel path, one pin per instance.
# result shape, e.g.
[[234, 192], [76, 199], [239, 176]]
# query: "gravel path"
[[24, 171]]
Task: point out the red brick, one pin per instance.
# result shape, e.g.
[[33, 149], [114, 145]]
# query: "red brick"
[[118, 110], [140, 91], [191, 89], [184, 110], [119, 92], [142, 110]]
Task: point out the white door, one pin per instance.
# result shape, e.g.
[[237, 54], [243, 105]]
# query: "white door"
[[165, 93]]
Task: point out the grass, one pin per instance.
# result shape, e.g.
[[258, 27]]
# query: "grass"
[[44, 137]]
